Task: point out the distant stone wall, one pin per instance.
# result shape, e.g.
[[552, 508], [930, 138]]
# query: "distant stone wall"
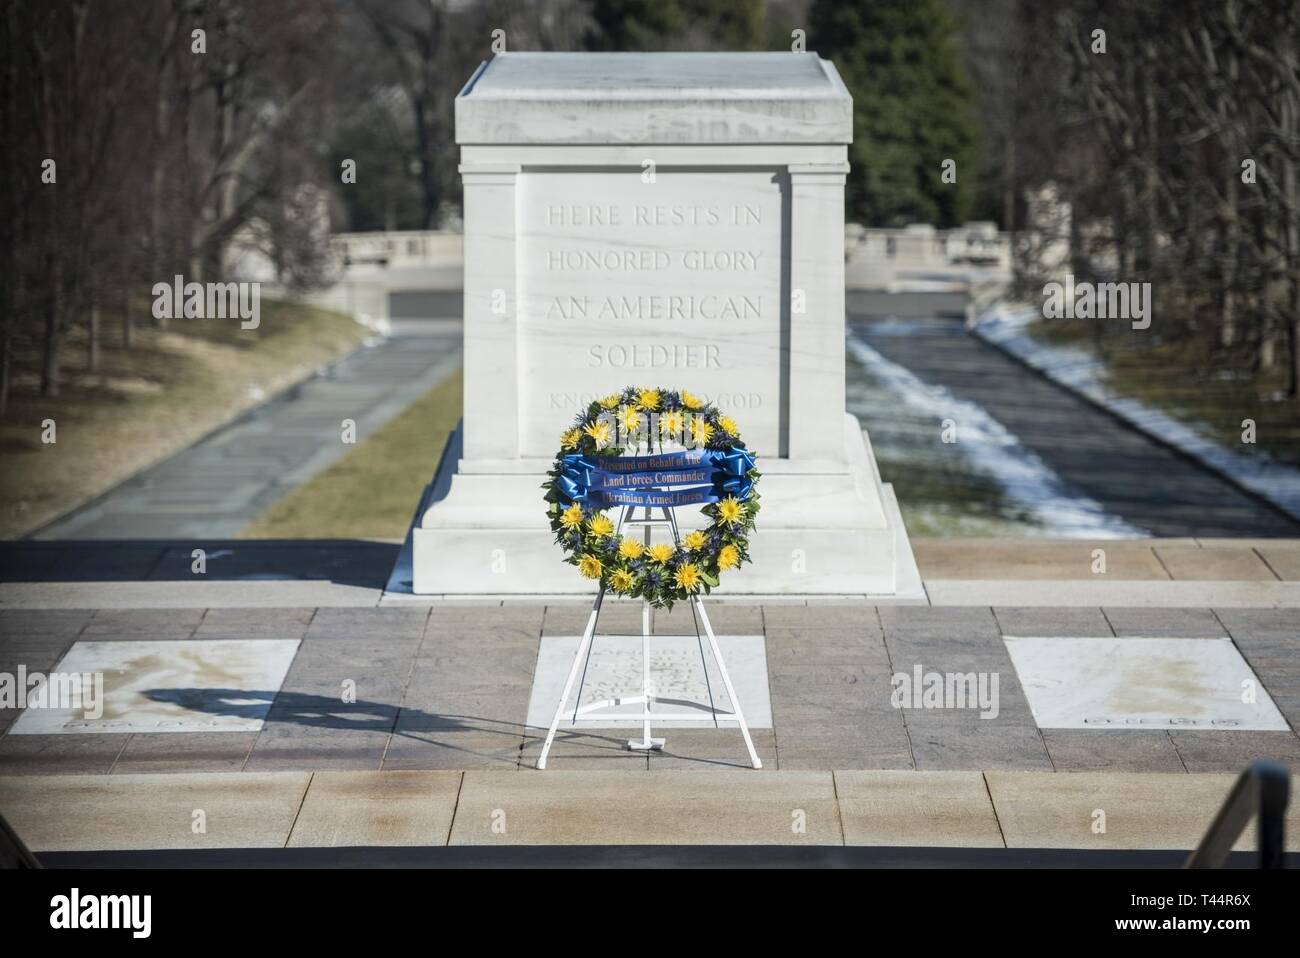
[[921, 245], [400, 248], [917, 247]]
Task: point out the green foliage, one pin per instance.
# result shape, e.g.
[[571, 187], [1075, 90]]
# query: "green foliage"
[[390, 199], [643, 25], [911, 108]]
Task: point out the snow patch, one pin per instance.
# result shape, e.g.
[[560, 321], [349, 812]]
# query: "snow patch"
[[1076, 369], [995, 451]]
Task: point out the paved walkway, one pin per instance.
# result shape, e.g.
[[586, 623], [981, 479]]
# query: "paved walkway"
[[1141, 481], [216, 487]]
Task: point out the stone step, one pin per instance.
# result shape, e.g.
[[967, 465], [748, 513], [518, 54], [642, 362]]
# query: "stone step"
[[1030, 810]]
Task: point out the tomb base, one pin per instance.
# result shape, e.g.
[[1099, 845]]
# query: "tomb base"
[[825, 529]]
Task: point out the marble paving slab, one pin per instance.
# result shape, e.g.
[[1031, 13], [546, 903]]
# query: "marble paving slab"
[[683, 681], [202, 685], [1141, 683]]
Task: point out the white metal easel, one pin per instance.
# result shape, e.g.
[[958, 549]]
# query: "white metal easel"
[[646, 697]]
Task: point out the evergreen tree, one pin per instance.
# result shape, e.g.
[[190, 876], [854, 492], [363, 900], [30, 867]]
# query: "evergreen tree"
[[911, 108], [632, 25]]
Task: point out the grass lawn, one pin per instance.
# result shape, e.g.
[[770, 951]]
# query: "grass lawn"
[[1210, 389], [372, 492], [140, 406]]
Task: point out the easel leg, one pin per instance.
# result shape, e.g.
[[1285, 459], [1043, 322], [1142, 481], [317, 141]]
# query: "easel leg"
[[647, 743], [587, 637], [726, 681], [645, 668]]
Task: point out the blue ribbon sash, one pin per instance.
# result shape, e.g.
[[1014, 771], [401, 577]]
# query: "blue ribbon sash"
[[667, 460], [605, 498], [600, 479], [605, 481]]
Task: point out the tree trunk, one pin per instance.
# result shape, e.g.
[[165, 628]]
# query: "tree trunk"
[[13, 296], [53, 334], [1120, 236], [1150, 187], [162, 130], [16, 234], [1231, 236], [1291, 210], [92, 341], [5, 352], [1009, 197], [229, 192], [1293, 379], [428, 175], [1009, 186], [128, 326]]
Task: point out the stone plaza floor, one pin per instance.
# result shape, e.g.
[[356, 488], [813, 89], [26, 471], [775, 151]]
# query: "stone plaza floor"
[[409, 724], [449, 688]]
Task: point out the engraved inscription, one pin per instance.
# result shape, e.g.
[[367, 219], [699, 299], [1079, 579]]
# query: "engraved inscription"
[[675, 283]]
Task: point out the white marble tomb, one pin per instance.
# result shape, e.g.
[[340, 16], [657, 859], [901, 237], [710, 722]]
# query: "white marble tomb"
[[659, 219]]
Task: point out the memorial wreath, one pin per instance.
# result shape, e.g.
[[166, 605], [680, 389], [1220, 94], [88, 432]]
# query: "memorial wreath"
[[599, 467]]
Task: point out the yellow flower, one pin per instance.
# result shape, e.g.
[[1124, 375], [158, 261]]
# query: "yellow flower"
[[610, 401], [571, 517], [590, 566], [701, 431], [729, 426], [629, 548], [688, 577], [570, 439], [600, 525], [622, 581], [671, 422], [630, 419], [695, 540], [648, 399], [691, 402], [662, 552], [599, 431], [728, 557], [730, 510]]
